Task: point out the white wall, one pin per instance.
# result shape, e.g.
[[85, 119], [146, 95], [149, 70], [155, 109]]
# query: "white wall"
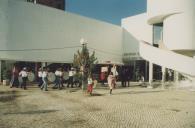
[[157, 8], [178, 17], [179, 32], [138, 27], [3, 26], [34, 26], [135, 29]]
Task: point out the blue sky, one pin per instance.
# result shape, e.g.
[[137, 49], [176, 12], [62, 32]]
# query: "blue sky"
[[111, 11]]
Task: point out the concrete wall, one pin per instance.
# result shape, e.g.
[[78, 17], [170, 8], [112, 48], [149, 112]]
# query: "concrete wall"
[[34, 26], [3, 27], [178, 18], [135, 29]]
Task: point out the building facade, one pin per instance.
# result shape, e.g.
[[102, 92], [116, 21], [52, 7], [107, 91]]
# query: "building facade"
[[153, 42], [165, 36], [59, 4]]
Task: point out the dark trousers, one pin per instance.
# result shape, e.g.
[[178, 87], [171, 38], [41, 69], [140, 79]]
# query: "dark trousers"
[[24, 79], [14, 81], [40, 81], [70, 81], [58, 82], [123, 82]]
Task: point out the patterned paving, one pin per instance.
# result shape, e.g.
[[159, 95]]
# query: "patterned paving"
[[132, 107]]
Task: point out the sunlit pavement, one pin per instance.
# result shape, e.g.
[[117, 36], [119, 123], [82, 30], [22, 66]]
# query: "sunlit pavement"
[[131, 107]]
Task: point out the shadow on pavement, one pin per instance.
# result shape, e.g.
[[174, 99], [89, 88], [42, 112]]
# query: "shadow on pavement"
[[33, 112], [137, 92], [7, 96]]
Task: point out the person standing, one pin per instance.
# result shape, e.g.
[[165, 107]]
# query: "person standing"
[[115, 74], [70, 80], [24, 76], [40, 72], [58, 74], [14, 80], [44, 78], [102, 77], [169, 75], [110, 82], [122, 74]]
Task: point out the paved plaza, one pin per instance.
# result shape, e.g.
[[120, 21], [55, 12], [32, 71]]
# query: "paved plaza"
[[131, 107]]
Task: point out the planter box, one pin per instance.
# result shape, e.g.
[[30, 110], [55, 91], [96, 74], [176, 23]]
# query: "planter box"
[[5, 82]]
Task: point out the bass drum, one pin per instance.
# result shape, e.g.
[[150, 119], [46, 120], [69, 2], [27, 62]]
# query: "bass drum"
[[31, 76], [95, 83], [51, 77], [65, 76]]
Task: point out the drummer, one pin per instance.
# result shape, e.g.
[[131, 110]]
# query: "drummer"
[[24, 76], [58, 74]]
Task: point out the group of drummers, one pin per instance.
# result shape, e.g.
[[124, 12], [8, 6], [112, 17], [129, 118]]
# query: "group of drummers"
[[59, 77], [19, 79]]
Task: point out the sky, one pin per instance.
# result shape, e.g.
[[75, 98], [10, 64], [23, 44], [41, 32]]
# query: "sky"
[[111, 11]]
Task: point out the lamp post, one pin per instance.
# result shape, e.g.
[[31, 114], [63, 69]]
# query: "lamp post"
[[83, 62]]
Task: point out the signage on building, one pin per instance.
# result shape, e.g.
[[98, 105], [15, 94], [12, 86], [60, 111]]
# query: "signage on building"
[[131, 56]]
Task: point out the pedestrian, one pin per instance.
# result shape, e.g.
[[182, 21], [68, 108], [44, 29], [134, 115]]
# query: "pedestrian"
[[58, 74], [24, 76], [14, 79], [123, 77], [90, 85], [115, 74], [110, 82], [70, 79], [142, 80], [62, 78], [169, 75], [44, 78], [102, 77], [40, 72]]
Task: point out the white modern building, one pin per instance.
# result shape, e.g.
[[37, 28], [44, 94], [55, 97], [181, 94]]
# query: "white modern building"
[[164, 36]]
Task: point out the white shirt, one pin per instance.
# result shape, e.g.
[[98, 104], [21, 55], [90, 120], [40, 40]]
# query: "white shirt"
[[71, 73], [44, 74], [40, 74], [114, 71], [58, 73], [23, 73], [90, 81]]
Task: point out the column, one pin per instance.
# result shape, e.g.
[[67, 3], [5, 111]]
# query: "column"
[[36, 69], [0, 72], [146, 70], [163, 77], [176, 76], [134, 69], [150, 75], [43, 64]]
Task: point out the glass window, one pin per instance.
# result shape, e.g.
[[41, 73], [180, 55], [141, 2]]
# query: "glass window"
[[157, 33]]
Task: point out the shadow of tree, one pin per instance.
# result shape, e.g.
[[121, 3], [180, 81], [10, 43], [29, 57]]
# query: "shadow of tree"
[[9, 97]]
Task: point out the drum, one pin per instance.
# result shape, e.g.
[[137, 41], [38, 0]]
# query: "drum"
[[66, 77], [95, 83], [31, 76], [51, 77]]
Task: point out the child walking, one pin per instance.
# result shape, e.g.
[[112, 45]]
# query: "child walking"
[[90, 85], [110, 81]]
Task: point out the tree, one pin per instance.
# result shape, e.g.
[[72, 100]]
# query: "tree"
[[85, 63]]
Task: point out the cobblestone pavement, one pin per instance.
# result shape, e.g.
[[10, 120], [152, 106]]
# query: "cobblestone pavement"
[[132, 107]]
